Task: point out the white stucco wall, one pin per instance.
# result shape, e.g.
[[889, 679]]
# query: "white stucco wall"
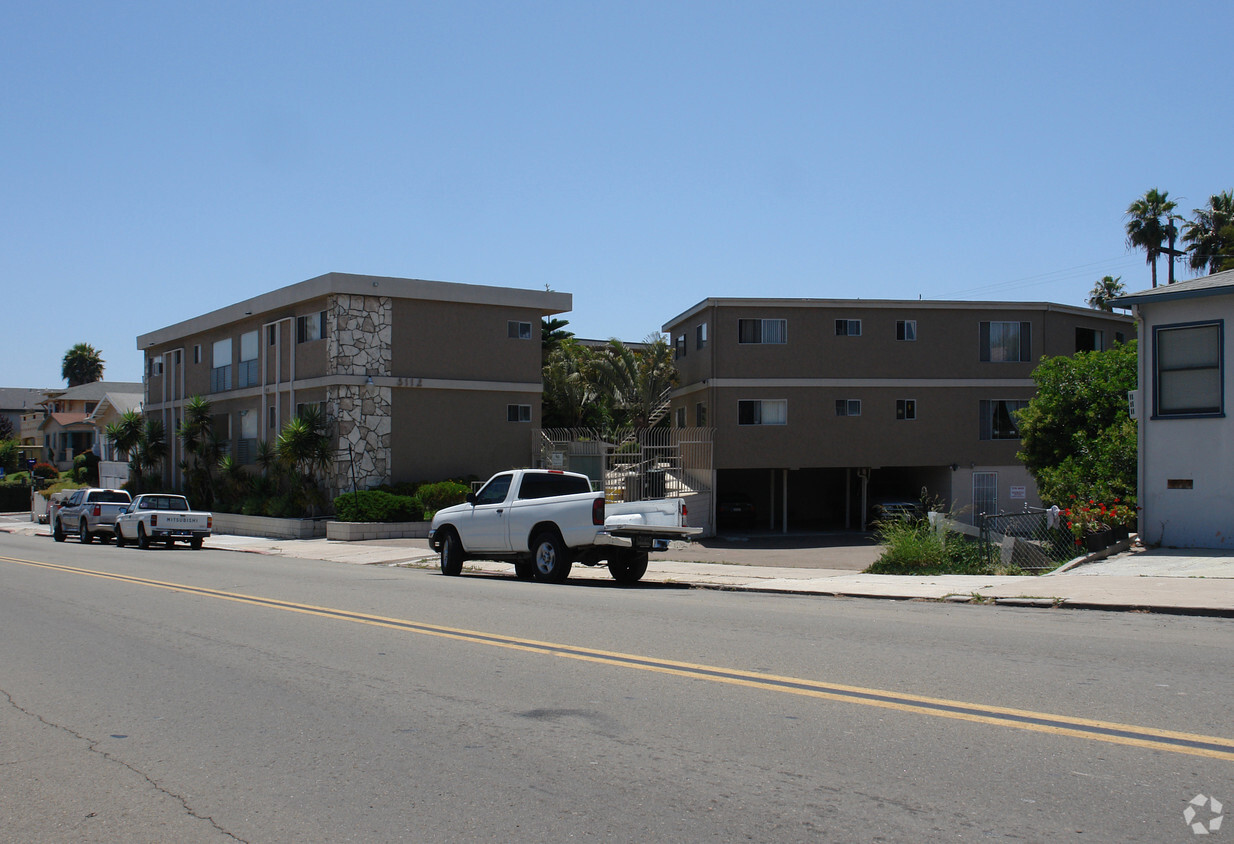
[[1199, 451]]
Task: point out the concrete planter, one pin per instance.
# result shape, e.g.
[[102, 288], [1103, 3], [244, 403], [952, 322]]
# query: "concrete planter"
[[238, 525], [357, 531]]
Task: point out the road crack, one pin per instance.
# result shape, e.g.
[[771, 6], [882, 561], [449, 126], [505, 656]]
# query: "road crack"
[[92, 745]]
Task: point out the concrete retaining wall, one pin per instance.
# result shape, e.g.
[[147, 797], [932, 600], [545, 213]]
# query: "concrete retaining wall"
[[237, 525], [357, 531]]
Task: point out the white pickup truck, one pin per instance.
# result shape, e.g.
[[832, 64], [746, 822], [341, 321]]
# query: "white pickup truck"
[[162, 518], [544, 521]]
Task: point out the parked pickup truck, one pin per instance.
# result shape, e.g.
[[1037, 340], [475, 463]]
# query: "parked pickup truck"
[[544, 521], [88, 513], [162, 518]]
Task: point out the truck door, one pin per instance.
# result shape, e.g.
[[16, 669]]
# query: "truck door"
[[487, 527]]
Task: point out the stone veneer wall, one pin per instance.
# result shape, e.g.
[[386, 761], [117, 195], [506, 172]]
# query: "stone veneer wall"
[[358, 343]]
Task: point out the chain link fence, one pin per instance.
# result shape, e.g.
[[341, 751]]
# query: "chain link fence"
[[1034, 540]]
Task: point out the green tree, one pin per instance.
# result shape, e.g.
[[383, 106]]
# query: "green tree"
[[1103, 291], [637, 382], [306, 447], [82, 364], [571, 398], [553, 333], [147, 455], [1150, 223], [1210, 235], [6, 428], [1076, 437], [125, 433], [202, 451]]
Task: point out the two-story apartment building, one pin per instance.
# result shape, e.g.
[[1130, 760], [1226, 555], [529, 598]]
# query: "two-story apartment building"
[[823, 408], [420, 380]]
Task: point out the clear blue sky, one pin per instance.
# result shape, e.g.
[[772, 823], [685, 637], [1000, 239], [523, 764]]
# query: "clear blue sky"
[[162, 159]]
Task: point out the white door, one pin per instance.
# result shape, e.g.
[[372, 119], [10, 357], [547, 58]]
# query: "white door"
[[985, 495]]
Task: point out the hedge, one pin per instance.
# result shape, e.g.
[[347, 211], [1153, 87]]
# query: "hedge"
[[373, 505]]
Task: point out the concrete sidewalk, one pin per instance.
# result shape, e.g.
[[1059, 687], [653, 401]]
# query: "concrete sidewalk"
[[1183, 581]]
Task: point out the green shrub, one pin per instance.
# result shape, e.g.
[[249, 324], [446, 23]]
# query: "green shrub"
[[407, 488], [46, 471], [375, 505], [283, 507], [916, 548], [432, 497]]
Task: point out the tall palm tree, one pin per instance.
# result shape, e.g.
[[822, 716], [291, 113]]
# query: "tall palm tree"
[[1150, 223], [1211, 234], [570, 390], [82, 364], [306, 447], [1103, 291]]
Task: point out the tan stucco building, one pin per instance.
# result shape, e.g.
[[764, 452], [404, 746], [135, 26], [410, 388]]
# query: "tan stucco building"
[[823, 408], [421, 380]]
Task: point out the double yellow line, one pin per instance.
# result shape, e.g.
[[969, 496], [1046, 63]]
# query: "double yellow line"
[[1214, 747]]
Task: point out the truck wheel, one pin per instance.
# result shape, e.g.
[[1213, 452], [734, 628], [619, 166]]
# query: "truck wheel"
[[550, 557], [143, 541], [57, 531], [195, 543], [451, 555], [84, 533], [525, 569], [628, 566], [119, 538]]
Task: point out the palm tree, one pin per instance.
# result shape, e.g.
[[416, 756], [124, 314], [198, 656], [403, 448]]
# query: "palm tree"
[[305, 446], [147, 455], [202, 448], [637, 381], [125, 433], [1105, 290], [82, 364], [1211, 234], [570, 392], [1150, 222]]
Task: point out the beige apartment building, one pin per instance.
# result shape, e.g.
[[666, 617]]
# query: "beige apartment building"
[[823, 409], [420, 380]]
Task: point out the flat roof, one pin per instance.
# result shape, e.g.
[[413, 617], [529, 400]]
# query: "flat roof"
[[545, 301], [884, 304]]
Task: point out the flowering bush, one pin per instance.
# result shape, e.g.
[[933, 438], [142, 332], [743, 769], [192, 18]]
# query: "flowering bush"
[[1095, 516]]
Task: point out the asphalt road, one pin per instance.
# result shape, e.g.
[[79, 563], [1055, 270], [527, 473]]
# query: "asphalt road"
[[217, 696]]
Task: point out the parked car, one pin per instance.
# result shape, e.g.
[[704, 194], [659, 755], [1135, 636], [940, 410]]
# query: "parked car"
[[162, 518], [545, 520], [88, 513], [905, 511], [735, 510]]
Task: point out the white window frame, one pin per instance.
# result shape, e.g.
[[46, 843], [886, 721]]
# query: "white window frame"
[[906, 330], [906, 410], [848, 407], [518, 413], [764, 412], [761, 329], [700, 336], [848, 328], [311, 327], [518, 329], [986, 416]]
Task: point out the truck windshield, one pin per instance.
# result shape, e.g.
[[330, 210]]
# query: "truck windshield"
[[494, 491], [109, 496]]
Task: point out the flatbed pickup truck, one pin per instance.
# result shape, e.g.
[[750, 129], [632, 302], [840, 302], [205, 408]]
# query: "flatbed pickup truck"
[[159, 517], [88, 513], [544, 521]]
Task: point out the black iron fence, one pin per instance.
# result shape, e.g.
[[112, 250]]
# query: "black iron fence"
[[1034, 540]]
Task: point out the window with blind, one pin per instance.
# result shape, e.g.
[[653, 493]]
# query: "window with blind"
[[1187, 370]]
